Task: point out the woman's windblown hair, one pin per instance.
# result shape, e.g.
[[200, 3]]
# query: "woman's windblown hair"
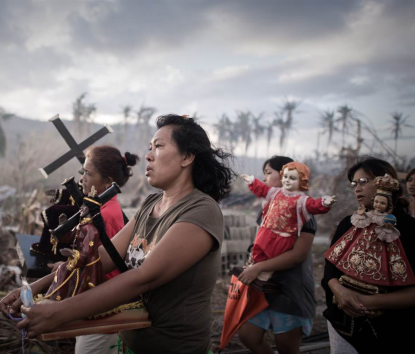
[[211, 172]]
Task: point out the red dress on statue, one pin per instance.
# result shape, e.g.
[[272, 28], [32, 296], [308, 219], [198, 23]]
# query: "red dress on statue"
[[82, 271], [286, 213], [372, 253]]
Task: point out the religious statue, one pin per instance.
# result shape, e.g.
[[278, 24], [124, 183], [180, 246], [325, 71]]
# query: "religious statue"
[[287, 210], [83, 269], [63, 207], [370, 254]]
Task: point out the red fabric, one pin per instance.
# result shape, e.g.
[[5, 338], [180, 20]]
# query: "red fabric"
[[280, 218], [269, 245], [244, 302], [315, 206], [259, 189], [114, 222], [86, 273], [360, 254]]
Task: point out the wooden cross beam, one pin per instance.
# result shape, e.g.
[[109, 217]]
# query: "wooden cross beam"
[[76, 150]]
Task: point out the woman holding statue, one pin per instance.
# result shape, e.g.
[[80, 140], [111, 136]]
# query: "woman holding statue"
[[370, 318], [172, 247]]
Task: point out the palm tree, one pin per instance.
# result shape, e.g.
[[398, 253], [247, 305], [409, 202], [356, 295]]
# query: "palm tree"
[[269, 129], [88, 116], [227, 132], [77, 111], [280, 124], [289, 107], [286, 125], [82, 113], [258, 130], [346, 115], [243, 128], [3, 141], [221, 127], [327, 123], [126, 111], [144, 115], [317, 150], [397, 122], [197, 118]]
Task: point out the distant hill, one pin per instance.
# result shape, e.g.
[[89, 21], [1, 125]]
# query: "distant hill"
[[125, 138]]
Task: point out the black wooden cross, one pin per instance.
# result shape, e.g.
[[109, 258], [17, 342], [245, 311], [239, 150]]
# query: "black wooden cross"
[[76, 150]]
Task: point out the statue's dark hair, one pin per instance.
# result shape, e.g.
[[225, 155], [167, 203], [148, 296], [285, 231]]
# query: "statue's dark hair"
[[388, 197], [211, 172], [375, 167], [110, 163], [276, 162]]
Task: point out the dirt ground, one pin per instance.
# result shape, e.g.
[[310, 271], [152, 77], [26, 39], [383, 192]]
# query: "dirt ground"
[[219, 301]]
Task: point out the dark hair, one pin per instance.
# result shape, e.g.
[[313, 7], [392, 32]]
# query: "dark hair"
[[410, 173], [375, 167], [388, 197], [276, 162], [210, 173], [109, 163]]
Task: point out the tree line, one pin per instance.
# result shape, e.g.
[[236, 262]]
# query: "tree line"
[[246, 128]]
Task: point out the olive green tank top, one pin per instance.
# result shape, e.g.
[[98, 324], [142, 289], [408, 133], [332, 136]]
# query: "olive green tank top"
[[179, 310]]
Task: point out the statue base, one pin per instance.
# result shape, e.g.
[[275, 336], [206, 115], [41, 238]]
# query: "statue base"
[[126, 320]]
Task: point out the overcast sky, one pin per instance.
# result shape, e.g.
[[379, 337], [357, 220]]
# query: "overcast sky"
[[212, 57]]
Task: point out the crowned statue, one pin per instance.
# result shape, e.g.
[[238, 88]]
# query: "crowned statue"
[[371, 252]]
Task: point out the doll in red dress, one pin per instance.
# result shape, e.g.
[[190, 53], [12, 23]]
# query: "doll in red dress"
[[287, 211], [371, 251]]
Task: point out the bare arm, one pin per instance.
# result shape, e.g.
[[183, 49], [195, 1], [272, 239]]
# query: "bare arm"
[[161, 266], [121, 241], [297, 255], [400, 299]]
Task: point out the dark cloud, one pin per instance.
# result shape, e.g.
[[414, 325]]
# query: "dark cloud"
[[127, 27], [10, 34], [198, 37], [290, 20], [134, 26], [35, 69]]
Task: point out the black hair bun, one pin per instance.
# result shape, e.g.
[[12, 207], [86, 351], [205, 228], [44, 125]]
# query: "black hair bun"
[[131, 159]]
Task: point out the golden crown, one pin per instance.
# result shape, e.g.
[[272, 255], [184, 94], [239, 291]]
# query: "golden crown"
[[386, 184]]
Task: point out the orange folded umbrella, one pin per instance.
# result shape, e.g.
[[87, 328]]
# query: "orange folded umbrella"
[[243, 303]]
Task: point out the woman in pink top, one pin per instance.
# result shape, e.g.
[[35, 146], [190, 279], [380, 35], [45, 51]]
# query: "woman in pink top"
[[104, 165]]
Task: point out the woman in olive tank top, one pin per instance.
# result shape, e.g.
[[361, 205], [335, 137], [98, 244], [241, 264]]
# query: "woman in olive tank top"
[[176, 236]]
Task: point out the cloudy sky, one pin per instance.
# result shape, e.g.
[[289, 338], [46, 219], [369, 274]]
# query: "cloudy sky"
[[212, 57]]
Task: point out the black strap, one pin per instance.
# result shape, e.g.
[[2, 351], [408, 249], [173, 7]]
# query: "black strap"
[[113, 253], [125, 218]]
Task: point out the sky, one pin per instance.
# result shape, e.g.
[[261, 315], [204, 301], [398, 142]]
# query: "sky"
[[213, 57]]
